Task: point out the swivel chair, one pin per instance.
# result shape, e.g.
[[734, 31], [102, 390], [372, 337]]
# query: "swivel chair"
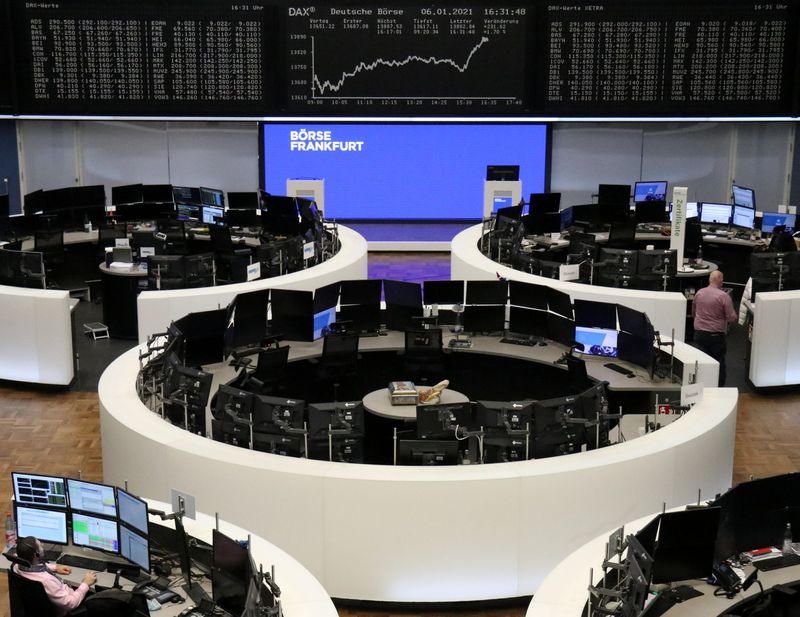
[[232, 262], [424, 357], [271, 368], [107, 235], [621, 235], [339, 360], [50, 243], [28, 598]]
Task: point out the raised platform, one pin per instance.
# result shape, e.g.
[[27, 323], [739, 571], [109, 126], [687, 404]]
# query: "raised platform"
[[409, 236]]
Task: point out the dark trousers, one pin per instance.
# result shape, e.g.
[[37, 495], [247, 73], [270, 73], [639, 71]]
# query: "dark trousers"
[[715, 345]]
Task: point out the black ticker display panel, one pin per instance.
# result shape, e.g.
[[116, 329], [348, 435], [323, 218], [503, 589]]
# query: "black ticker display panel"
[[643, 58], [426, 59], [134, 58]]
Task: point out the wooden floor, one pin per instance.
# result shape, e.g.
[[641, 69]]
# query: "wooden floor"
[[59, 433]]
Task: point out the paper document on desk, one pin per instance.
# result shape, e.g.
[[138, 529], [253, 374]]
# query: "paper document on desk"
[[121, 265]]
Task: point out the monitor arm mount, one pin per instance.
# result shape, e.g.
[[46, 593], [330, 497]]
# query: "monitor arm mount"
[[569, 353]]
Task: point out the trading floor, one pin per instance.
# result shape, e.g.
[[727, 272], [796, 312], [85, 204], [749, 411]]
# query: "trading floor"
[[58, 432]]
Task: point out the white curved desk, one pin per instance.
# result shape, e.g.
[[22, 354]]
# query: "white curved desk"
[[412, 534], [301, 593], [666, 309], [157, 309]]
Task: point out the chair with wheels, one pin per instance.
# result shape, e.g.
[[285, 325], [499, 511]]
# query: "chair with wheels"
[[50, 243], [271, 368], [339, 362], [424, 355], [622, 235], [232, 260], [28, 598]]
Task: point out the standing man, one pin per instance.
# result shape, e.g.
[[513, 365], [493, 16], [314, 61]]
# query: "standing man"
[[712, 311]]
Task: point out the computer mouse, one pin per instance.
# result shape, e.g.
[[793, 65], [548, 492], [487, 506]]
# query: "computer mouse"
[[176, 600]]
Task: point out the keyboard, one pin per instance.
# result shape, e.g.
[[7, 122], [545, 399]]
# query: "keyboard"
[[86, 563], [775, 563], [520, 341], [619, 369]]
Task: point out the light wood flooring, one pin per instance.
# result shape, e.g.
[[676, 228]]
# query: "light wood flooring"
[[59, 433]]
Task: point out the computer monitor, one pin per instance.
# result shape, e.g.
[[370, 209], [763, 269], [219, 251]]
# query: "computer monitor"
[[484, 318], [560, 329], [293, 314], [528, 295], [502, 202], [92, 497], [243, 218], [345, 415], [403, 303], [282, 445], [5, 206], [614, 194], [503, 173], [597, 341], [544, 202], [233, 404], [39, 490], [243, 200], [651, 212], [187, 195], [504, 415], [134, 547], [212, 197], [272, 414], [554, 435], [685, 545], [636, 350], [132, 511], [743, 196], [650, 191], [443, 292], [527, 322], [487, 292], [633, 322], [46, 524], [322, 322], [715, 214], [657, 262], [743, 217], [157, 194], [427, 452], [771, 220], [87, 196], [101, 534], [187, 212], [559, 302], [692, 210], [592, 314], [128, 194], [230, 573], [210, 214], [440, 421]]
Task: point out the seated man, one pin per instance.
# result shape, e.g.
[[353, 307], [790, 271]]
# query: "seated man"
[[61, 595]]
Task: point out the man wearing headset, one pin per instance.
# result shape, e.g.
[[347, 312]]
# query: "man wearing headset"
[[64, 597]]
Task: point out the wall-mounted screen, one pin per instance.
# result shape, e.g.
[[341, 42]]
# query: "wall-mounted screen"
[[403, 171]]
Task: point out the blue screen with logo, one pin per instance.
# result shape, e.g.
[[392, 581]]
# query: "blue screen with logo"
[[403, 171]]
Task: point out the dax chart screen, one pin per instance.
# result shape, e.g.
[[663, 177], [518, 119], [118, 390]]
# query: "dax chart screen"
[[414, 59]]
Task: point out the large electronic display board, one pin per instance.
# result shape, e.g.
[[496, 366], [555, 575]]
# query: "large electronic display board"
[[403, 171]]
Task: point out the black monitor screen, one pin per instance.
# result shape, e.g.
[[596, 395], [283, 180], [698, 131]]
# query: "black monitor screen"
[[204, 336], [530, 322], [650, 191], [326, 297], [92, 195], [403, 303], [5, 207], [487, 292], [591, 314], [647, 535], [293, 314], [743, 196], [484, 318], [242, 218], [613, 194], [243, 200], [502, 172], [528, 294], [440, 421], [560, 329], [651, 212], [157, 193], [443, 292], [632, 321], [128, 194], [685, 548], [361, 292], [544, 202], [559, 302], [636, 350], [230, 573], [427, 452]]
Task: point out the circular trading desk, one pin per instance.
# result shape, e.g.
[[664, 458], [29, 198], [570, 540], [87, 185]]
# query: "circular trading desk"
[[423, 534], [666, 309]]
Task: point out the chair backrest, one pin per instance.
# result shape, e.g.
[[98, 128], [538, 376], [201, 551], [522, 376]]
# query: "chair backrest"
[[48, 240], [272, 363], [340, 350], [421, 342], [220, 237], [108, 234], [28, 598], [621, 235]]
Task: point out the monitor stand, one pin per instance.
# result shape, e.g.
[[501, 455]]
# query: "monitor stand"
[[196, 593]]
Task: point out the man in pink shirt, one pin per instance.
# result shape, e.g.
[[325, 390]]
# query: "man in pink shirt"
[[61, 595], [712, 311]]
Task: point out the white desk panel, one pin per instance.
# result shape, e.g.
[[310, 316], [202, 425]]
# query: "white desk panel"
[[775, 350], [156, 309], [666, 309], [412, 534]]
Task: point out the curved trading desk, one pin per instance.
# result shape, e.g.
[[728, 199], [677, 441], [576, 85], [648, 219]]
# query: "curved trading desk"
[[666, 309], [420, 534], [301, 593], [157, 309]]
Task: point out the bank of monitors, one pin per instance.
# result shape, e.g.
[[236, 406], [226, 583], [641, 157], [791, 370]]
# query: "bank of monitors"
[[441, 421], [47, 524], [743, 217], [39, 490], [715, 214], [651, 191], [743, 196], [771, 220], [427, 452]]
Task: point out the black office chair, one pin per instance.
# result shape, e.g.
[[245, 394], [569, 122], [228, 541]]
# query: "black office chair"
[[28, 598], [424, 355], [107, 235], [339, 362], [175, 231], [50, 243], [232, 260], [271, 369], [622, 235]]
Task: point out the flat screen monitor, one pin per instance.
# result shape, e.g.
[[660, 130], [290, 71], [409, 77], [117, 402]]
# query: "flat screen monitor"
[[157, 193], [502, 202], [48, 525], [771, 220], [743, 196], [715, 214], [322, 322], [559, 302], [187, 212], [212, 197], [402, 164], [692, 210], [95, 532], [233, 403], [614, 194], [651, 212], [650, 191], [344, 415], [560, 329], [503, 173], [592, 314], [743, 217], [403, 303], [132, 511], [484, 318], [282, 444], [440, 421], [544, 202], [5, 206], [273, 414], [210, 214], [443, 292], [293, 314], [186, 195], [528, 295], [528, 322], [504, 415], [487, 292], [636, 350], [134, 547], [427, 452], [632, 321], [91, 195], [92, 497], [39, 490], [128, 194], [243, 200], [230, 573], [597, 341], [360, 291], [685, 546], [243, 218]]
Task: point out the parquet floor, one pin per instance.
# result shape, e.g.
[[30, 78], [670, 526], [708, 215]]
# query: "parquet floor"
[[59, 433]]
